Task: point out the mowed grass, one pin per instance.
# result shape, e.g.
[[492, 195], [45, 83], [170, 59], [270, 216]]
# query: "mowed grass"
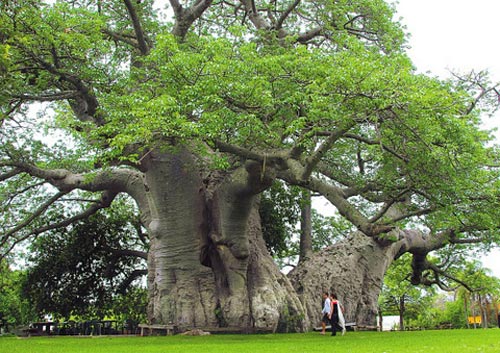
[[442, 341]]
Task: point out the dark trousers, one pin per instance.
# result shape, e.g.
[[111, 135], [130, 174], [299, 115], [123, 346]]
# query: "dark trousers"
[[334, 322]]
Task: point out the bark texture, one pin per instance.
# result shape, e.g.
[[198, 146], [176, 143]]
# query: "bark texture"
[[209, 266], [208, 263], [354, 269], [181, 289]]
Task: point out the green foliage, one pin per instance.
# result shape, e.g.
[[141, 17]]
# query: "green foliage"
[[130, 306], [280, 212], [226, 81], [453, 313], [326, 230], [14, 308], [427, 308], [399, 296]]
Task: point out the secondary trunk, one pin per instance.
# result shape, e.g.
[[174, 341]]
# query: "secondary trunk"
[[354, 269]]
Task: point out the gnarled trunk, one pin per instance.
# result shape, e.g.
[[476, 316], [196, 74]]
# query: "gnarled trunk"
[[208, 263], [209, 266], [181, 289]]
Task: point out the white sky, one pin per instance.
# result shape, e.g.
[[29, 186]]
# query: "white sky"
[[457, 35]]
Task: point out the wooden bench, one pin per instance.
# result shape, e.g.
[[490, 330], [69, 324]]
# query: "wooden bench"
[[350, 326], [148, 330]]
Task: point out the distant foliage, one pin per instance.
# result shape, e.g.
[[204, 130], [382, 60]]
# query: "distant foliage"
[[79, 270]]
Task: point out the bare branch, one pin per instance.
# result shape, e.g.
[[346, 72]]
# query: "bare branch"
[[313, 160], [375, 142], [287, 13], [118, 37], [105, 201], [440, 272], [27, 221], [139, 33]]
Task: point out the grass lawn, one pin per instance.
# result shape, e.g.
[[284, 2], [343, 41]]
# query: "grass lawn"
[[442, 341]]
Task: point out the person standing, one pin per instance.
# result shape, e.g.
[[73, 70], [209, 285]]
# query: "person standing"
[[336, 315], [326, 312]]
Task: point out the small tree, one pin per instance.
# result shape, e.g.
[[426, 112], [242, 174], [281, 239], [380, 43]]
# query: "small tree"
[[480, 295], [400, 296], [81, 269], [14, 307]]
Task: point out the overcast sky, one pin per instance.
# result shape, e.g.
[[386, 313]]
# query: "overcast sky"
[[458, 35]]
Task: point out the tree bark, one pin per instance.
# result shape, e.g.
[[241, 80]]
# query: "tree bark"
[[305, 227], [401, 313], [208, 263], [354, 269], [181, 289], [209, 266]]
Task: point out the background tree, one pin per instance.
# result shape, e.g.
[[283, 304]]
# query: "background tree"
[[81, 269], [480, 297], [14, 307], [194, 116], [400, 296]]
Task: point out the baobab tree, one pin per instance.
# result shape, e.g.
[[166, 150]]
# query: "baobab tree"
[[195, 114]]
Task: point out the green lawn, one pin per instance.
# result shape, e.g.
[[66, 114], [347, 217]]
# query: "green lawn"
[[443, 341]]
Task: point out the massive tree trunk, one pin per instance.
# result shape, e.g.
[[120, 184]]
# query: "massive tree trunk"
[[181, 289], [208, 263], [354, 269], [209, 266]]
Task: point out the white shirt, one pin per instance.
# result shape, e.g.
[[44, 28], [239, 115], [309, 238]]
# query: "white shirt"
[[326, 306]]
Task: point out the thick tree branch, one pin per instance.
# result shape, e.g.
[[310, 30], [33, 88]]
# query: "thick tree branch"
[[274, 159], [287, 13], [130, 278], [84, 104], [177, 7], [416, 213], [114, 180], [184, 18], [305, 37], [48, 97], [139, 33], [65, 180], [337, 198], [257, 19], [131, 253], [313, 160], [118, 37], [10, 174]]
